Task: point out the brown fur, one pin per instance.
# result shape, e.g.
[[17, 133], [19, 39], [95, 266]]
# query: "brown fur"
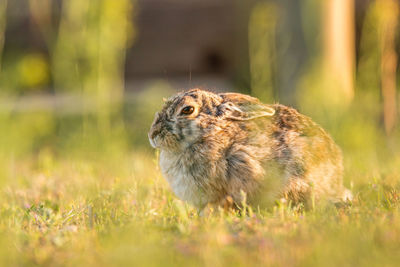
[[232, 143]]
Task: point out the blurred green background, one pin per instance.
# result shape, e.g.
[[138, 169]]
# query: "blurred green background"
[[80, 82]]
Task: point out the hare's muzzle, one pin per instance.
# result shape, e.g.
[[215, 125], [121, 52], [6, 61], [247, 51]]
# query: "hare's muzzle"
[[152, 143], [155, 130], [153, 136], [152, 140]]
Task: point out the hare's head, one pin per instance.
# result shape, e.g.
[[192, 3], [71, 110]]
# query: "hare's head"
[[187, 117]]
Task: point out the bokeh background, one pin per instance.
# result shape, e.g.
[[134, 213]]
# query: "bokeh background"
[[73, 59], [80, 81]]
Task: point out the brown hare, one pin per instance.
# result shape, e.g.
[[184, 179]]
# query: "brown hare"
[[217, 148]]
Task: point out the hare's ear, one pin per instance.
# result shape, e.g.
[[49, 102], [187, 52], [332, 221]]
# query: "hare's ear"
[[245, 112]]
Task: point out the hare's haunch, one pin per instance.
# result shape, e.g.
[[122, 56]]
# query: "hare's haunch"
[[215, 147]]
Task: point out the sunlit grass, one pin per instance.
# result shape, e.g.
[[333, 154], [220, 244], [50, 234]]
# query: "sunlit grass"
[[73, 199], [76, 211]]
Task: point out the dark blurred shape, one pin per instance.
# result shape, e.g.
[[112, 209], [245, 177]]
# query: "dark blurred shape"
[[214, 61], [178, 37]]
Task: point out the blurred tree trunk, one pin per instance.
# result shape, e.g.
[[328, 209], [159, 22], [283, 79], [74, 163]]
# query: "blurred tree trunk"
[[292, 52], [41, 12], [262, 50], [388, 27], [3, 22], [339, 47], [89, 55]]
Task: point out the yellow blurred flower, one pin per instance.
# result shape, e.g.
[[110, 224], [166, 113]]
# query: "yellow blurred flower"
[[33, 70]]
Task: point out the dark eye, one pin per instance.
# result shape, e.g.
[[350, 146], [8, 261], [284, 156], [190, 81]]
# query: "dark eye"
[[187, 110]]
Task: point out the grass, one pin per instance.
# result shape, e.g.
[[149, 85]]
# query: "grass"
[[86, 190], [67, 202]]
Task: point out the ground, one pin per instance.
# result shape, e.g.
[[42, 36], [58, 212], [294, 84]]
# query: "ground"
[[120, 211], [75, 195]]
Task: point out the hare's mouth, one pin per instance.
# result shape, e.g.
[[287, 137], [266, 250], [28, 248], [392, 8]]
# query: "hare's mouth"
[[163, 140], [153, 142]]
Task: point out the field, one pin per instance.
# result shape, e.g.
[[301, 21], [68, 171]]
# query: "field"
[[80, 82], [73, 195]]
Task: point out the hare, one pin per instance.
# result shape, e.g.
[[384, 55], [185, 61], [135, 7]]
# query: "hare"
[[217, 148]]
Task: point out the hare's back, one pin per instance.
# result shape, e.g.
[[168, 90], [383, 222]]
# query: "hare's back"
[[300, 141], [307, 151]]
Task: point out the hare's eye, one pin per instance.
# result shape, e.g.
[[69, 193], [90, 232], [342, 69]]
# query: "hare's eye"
[[187, 110]]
